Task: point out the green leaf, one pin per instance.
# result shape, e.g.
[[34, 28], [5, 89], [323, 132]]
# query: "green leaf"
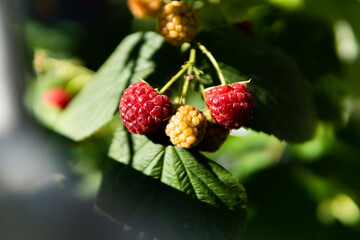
[[282, 102], [208, 13], [237, 10], [310, 41], [97, 102], [189, 172]]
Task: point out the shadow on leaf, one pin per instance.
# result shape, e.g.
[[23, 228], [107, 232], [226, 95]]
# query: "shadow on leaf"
[[151, 207]]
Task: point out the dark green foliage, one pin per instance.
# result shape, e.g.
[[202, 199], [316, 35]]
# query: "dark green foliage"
[[149, 206], [283, 104], [309, 40], [186, 171]]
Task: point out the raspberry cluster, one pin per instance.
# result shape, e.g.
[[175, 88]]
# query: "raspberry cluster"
[[178, 23], [230, 106], [145, 8], [187, 127], [142, 109]]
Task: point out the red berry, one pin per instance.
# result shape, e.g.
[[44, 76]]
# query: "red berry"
[[230, 106], [56, 97], [142, 109]]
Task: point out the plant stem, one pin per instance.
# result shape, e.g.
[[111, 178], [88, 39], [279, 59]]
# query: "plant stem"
[[179, 91], [184, 91], [187, 78], [197, 76], [214, 63], [181, 72]]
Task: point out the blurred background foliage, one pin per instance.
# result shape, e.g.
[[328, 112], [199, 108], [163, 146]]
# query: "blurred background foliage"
[[295, 191]]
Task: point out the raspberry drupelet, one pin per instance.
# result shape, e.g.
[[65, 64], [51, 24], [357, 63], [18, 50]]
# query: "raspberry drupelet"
[[187, 127], [230, 106], [142, 109], [177, 23]]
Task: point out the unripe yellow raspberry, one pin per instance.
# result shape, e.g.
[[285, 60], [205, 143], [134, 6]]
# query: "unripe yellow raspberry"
[[187, 127], [215, 136], [145, 8], [178, 23]]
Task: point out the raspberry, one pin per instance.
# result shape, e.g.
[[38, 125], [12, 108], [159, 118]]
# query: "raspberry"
[[178, 23], [215, 136], [56, 97], [142, 109], [145, 8], [230, 106], [187, 127]]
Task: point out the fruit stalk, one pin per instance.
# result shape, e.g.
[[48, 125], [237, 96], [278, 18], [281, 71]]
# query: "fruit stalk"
[[197, 76], [190, 63], [188, 78], [213, 62]]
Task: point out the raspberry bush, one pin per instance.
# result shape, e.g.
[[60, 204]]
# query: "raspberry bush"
[[194, 61]]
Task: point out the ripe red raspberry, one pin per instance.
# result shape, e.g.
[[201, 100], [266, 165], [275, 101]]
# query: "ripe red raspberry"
[[56, 97], [230, 106], [215, 136], [145, 8], [187, 127], [142, 109], [178, 23]]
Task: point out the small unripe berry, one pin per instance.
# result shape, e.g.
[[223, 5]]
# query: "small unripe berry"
[[56, 97], [145, 8], [187, 127], [230, 106], [142, 109], [215, 136], [178, 23]]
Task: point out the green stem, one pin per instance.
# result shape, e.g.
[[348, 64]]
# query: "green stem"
[[192, 56], [179, 91], [197, 76], [184, 91], [181, 72], [188, 78], [214, 63]]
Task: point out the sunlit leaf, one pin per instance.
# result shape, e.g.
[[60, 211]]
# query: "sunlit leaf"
[[97, 102]]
